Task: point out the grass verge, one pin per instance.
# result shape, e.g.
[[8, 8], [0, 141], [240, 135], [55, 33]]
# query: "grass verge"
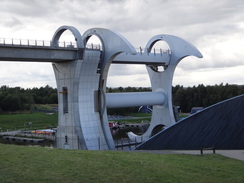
[[34, 164], [21, 121]]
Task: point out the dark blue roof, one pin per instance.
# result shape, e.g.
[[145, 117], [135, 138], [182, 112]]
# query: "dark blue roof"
[[221, 125]]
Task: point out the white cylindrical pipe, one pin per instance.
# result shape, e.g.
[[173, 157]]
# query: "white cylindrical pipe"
[[134, 99]]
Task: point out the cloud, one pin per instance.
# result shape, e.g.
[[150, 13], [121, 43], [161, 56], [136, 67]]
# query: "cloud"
[[127, 69], [127, 80], [210, 76], [13, 22], [214, 27], [219, 51], [27, 74]]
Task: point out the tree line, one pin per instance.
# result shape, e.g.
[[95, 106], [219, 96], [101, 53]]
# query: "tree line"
[[203, 96], [20, 99], [188, 97]]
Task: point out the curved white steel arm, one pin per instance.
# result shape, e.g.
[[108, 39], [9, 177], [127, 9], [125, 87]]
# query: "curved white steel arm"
[[180, 48], [163, 80], [73, 30], [112, 41], [113, 44]]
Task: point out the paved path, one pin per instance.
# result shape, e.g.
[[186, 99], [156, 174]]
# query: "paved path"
[[236, 154], [11, 132]]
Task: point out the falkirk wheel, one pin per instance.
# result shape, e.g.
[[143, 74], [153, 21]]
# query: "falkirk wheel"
[[81, 84]]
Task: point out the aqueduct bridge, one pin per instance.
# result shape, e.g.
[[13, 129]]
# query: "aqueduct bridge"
[[81, 72]]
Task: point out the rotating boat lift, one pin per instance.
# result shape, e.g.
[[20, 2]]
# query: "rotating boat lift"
[[81, 83]]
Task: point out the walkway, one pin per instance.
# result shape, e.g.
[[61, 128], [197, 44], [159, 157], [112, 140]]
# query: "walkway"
[[235, 154]]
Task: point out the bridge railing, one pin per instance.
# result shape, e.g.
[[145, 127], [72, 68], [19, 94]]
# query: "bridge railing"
[[154, 51], [94, 46], [65, 44], [44, 43], [38, 43]]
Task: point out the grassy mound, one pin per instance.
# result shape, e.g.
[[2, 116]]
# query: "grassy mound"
[[34, 164]]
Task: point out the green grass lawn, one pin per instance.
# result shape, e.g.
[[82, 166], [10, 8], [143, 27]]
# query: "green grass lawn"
[[20, 121], [46, 106], [36, 164]]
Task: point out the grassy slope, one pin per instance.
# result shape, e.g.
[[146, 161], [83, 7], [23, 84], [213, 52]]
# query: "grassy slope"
[[34, 164]]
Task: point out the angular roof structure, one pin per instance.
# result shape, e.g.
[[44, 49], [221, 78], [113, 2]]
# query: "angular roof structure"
[[220, 125]]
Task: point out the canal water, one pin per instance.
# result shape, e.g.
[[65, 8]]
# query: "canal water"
[[119, 133], [45, 143]]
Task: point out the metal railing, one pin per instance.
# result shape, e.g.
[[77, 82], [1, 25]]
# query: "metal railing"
[[37, 43], [154, 51], [208, 148], [94, 46], [71, 45]]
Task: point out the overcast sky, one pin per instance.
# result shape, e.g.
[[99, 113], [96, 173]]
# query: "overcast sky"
[[215, 27]]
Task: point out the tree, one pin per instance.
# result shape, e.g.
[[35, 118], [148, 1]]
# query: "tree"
[[53, 98], [11, 103]]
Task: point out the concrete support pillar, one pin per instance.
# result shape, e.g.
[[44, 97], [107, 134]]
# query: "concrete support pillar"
[[68, 130], [79, 124]]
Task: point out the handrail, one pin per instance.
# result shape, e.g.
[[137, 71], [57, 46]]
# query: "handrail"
[[207, 148], [65, 44], [154, 51], [38, 43]]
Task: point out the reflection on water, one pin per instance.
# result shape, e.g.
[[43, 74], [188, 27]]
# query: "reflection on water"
[[45, 143]]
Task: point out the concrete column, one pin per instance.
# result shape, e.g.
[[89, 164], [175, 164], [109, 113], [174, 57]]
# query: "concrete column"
[[79, 124]]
